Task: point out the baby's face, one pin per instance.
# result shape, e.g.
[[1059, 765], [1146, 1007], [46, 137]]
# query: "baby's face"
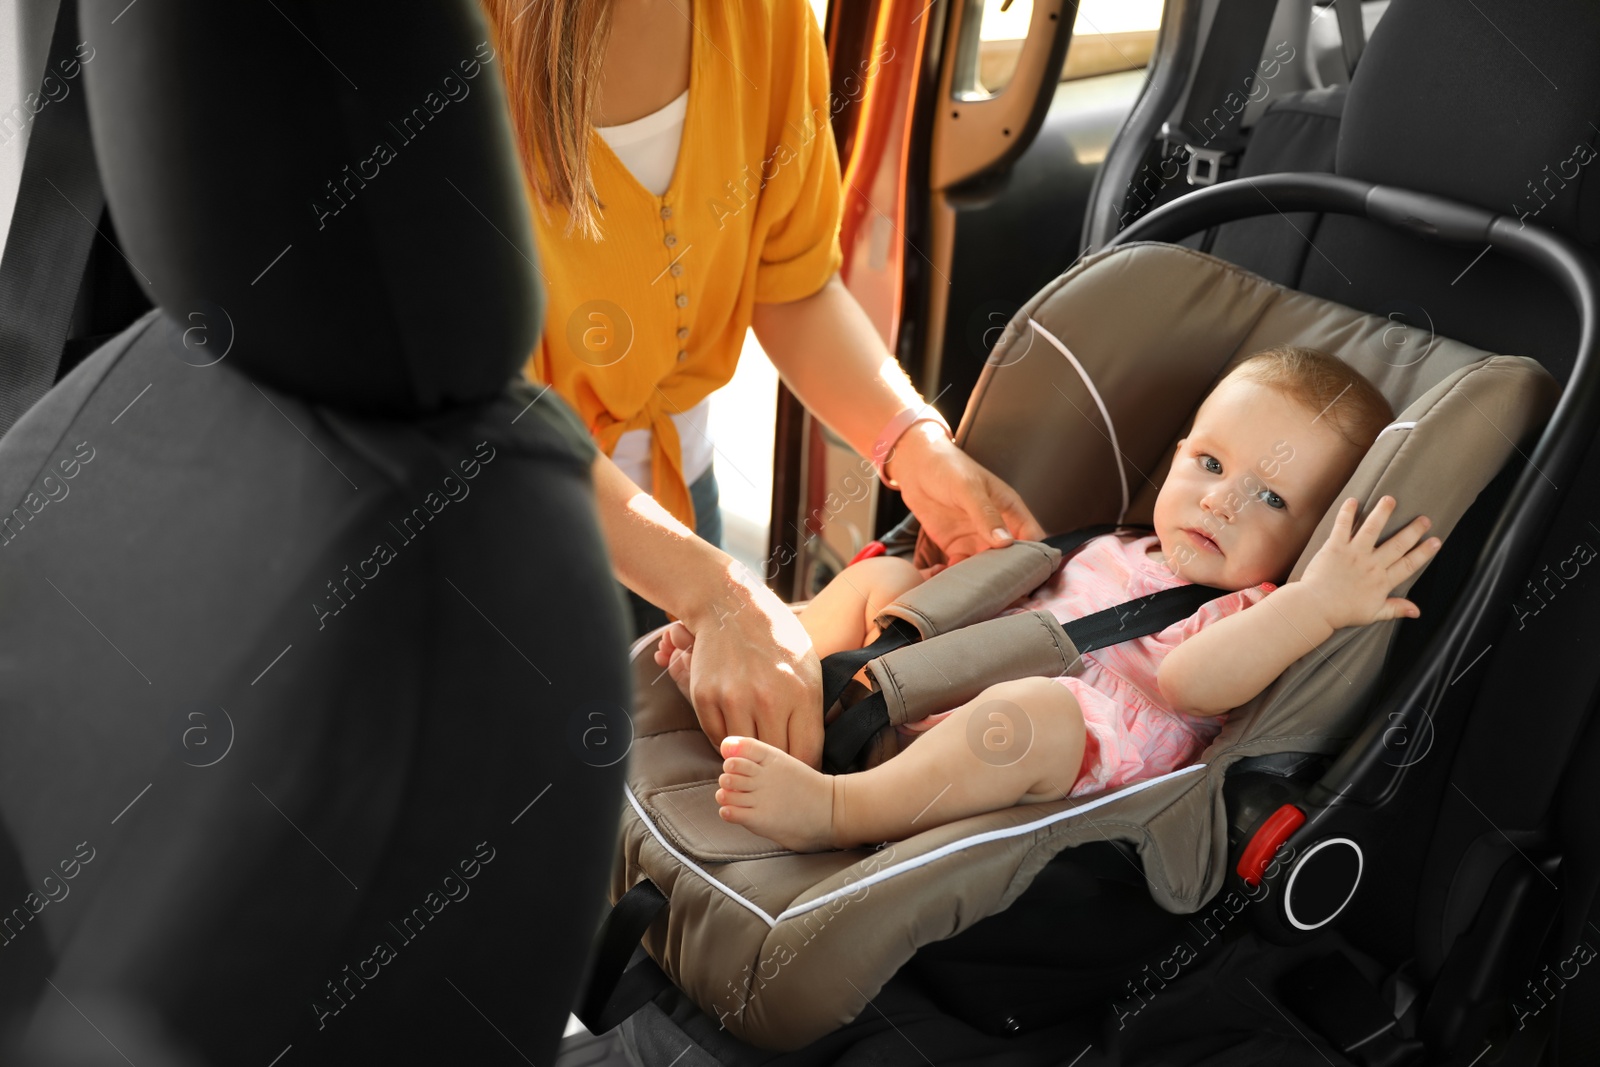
[[1248, 486]]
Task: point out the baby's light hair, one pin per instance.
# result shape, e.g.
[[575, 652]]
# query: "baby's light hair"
[[1323, 383]]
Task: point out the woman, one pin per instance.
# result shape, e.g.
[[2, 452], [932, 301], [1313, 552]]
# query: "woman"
[[685, 186]]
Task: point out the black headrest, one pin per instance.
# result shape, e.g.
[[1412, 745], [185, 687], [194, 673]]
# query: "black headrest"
[[327, 191], [1493, 102]]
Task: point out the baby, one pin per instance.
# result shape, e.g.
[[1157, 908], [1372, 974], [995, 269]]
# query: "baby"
[[1269, 450]]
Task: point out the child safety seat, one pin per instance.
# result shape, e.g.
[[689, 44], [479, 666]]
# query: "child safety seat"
[[760, 942], [307, 630], [739, 908]]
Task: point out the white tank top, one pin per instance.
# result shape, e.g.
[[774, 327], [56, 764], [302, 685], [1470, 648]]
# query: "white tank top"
[[648, 147]]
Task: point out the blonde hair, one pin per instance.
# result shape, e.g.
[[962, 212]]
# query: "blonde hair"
[[1322, 383], [552, 53]]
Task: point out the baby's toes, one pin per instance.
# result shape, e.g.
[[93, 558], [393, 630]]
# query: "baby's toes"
[[739, 815], [738, 767], [734, 798], [752, 750]]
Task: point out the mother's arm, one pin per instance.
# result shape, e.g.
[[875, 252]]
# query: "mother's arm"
[[831, 356], [754, 672]]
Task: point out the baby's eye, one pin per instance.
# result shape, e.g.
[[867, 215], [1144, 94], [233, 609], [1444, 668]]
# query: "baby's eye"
[[1206, 461], [1273, 500]]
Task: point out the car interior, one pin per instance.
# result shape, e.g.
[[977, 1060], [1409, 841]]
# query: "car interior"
[[1067, 220]]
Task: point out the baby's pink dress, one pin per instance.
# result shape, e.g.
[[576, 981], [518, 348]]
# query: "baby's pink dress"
[[1131, 733]]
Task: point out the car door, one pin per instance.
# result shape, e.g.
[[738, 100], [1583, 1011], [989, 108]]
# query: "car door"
[[970, 133]]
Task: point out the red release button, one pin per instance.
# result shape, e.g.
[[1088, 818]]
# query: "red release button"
[[1264, 845]]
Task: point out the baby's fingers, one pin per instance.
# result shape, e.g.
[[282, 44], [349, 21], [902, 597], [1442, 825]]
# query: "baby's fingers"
[[1342, 521], [1377, 518], [1397, 608], [678, 668], [1402, 540], [1414, 560]]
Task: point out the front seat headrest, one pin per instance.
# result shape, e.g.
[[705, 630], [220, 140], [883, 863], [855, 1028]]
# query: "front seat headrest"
[[327, 193], [1493, 103]]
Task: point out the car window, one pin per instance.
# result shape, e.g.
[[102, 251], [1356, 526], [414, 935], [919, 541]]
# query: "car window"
[[1108, 36]]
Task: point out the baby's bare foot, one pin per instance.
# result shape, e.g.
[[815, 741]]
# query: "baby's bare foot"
[[775, 795]]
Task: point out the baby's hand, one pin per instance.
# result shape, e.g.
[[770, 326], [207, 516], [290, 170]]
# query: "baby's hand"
[[1353, 575]]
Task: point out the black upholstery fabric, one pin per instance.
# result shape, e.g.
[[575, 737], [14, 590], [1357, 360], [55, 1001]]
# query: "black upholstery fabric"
[[1493, 103], [1496, 303], [259, 157], [1444, 103], [299, 775], [1300, 131], [314, 686]]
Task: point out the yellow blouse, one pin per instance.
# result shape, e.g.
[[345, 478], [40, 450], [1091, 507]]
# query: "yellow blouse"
[[650, 319]]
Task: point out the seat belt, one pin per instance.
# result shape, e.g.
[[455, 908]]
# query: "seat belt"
[[47, 247], [1226, 71], [846, 737], [1352, 32]]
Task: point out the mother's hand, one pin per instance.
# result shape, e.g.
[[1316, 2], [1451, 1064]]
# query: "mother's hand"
[[964, 508], [754, 672]]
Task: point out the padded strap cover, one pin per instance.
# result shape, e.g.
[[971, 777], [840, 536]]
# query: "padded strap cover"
[[950, 669], [978, 587]]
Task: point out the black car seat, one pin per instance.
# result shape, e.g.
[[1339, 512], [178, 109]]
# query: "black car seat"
[[1298, 132], [312, 661], [1476, 106], [1441, 928]]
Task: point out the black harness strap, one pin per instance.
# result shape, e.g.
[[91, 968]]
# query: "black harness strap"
[[839, 668], [848, 734], [610, 993]]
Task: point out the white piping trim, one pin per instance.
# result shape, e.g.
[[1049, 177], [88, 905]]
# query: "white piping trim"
[[1397, 426], [974, 841], [898, 868], [1101, 404], [689, 863]]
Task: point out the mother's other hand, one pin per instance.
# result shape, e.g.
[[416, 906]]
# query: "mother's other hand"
[[963, 507]]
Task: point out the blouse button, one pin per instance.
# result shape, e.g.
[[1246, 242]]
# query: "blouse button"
[[683, 300], [683, 333], [677, 269], [666, 212], [670, 239], [682, 355]]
